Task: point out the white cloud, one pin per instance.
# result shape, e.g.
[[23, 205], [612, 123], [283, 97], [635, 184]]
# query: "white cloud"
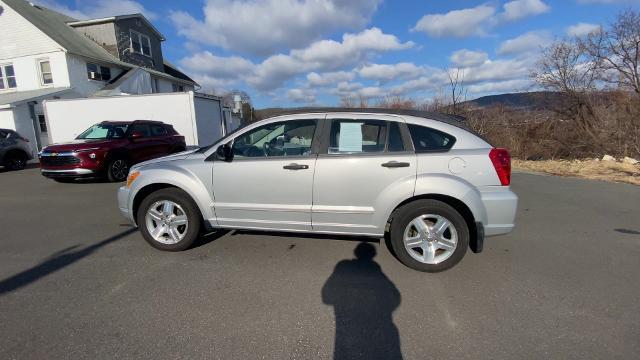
[[329, 78], [268, 26], [498, 70], [97, 8], [582, 29], [466, 57], [302, 95], [525, 43], [233, 67], [477, 21], [456, 23], [518, 9], [389, 72], [324, 55]]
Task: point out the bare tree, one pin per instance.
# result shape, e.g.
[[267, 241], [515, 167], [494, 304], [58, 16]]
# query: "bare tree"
[[456, 88], [565, 67], [616, 49]]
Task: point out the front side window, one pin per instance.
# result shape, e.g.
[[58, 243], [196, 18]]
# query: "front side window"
[[104, 131], [45, 72], [430, 140], [287, 138], [141, 130], [140, 43], [7, 77]]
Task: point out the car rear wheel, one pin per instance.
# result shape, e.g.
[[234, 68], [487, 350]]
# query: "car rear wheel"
[[16, 160], [169, 220], [117, 169], [429, 235]]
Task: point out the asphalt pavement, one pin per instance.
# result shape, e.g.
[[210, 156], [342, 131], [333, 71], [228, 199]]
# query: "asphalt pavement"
[[77, 282]]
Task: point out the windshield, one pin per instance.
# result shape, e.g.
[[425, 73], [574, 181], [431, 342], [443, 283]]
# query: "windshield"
[[105, 131], [203, 149]]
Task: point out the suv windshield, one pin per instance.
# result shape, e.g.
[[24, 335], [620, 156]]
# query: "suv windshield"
[[105, 131]]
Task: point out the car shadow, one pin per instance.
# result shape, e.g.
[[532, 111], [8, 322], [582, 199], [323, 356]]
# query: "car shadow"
[[354, 238], [29, 166], [55, 262], [363, 300]]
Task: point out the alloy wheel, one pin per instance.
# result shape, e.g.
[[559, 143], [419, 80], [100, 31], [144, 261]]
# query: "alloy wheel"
[[119, 169], [430, 239], [166, 222]]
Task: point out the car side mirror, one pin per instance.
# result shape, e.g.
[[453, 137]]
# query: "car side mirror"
[[224, 152]]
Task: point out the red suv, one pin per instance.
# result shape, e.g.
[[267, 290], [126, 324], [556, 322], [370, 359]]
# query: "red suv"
[[109, 149]]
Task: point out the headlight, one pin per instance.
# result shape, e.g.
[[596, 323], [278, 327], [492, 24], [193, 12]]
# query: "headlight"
[[132, 177]]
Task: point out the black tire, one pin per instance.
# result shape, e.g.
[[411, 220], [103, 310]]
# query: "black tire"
[[117, 169], [16, 160], [186, 203], [411, 211]]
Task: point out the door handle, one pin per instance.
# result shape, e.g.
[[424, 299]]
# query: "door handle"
[[395, 164], [294, 166]]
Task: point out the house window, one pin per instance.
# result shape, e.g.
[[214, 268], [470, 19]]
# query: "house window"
[[45, 72], [177, 88], [43, 123], [7, 77], [140, 44], [100, 73]]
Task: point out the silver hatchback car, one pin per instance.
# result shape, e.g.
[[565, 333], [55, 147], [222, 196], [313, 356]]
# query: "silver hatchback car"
[[432, 186]]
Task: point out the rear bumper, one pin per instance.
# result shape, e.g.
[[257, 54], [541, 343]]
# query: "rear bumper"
[[500, 204], [68, 173]]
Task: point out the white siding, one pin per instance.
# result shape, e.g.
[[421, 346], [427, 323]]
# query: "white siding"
[[20, 37], [77, 69], [28, 71]]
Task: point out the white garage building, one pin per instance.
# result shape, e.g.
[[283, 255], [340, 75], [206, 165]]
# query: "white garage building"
[[45, 55]]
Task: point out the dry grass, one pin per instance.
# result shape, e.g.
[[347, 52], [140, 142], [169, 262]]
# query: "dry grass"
[[589, 169]]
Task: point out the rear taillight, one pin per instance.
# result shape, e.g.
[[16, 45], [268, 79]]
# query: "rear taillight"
[[502, 163]]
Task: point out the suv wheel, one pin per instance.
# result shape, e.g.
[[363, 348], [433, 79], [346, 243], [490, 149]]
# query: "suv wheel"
[[429, 235], [169, 220], [117, 169], [16, 160]]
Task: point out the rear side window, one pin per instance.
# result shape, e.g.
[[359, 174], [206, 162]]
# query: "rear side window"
[[157, 130], [430, 140], [364, 136]]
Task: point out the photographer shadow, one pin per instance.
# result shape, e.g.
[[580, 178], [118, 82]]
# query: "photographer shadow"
[[363, 299]]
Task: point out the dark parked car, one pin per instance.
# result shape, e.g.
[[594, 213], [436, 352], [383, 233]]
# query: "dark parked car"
[[14, 150], [109, 148]]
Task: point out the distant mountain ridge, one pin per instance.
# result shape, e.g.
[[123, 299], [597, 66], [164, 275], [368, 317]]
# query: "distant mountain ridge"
[[524, 100]]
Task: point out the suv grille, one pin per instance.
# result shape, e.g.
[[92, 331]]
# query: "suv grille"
[[59, 160]]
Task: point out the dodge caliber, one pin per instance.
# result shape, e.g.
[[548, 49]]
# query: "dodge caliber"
[[427, 182]]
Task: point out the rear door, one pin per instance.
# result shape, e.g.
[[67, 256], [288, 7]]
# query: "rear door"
[[161, 141], [364, 161]]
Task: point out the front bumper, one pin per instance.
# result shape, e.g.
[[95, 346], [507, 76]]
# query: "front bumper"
[[124, 205], [68, 173]]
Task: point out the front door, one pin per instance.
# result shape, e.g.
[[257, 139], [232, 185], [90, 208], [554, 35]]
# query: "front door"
[[268, 183], [367, 163]]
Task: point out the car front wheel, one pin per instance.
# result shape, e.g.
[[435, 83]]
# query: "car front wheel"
[[16, 160], [117, 170], [169, 220], [429, 235]]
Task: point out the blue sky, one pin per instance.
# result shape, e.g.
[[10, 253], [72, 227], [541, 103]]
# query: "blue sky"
[[316, 52]]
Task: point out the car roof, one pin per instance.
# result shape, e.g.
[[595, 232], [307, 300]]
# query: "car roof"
[[132, 122], [450, 119]]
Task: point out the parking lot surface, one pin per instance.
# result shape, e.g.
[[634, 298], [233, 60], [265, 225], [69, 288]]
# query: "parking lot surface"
[[77, 282]]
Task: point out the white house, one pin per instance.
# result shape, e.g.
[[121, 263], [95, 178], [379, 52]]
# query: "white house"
[[47, 55]]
